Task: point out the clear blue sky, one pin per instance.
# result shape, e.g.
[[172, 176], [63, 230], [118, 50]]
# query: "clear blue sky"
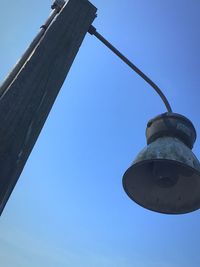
[[69, 207]]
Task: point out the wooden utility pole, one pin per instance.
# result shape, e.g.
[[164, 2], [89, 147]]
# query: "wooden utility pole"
[[28, 98]]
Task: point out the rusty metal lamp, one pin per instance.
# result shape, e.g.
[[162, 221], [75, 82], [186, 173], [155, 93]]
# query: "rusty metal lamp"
[[165, 176]]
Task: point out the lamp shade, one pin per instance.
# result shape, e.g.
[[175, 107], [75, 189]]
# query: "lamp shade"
[[165, 176]]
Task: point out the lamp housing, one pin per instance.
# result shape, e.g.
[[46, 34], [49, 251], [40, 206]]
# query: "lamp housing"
[[165, 176]]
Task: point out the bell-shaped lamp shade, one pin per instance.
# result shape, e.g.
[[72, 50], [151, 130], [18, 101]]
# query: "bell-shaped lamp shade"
[[165, 176]]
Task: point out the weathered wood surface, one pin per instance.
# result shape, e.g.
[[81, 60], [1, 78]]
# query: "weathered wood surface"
[[26, 103]]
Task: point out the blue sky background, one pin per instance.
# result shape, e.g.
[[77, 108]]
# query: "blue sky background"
[[69, 207]]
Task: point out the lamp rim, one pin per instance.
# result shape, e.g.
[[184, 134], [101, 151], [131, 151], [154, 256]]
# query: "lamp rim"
[[195, 171]]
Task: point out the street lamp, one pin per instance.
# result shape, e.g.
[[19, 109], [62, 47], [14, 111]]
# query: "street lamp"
[[164, 177]]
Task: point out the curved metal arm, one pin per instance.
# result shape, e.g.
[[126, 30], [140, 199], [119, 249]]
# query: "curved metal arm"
[[92, 30]]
